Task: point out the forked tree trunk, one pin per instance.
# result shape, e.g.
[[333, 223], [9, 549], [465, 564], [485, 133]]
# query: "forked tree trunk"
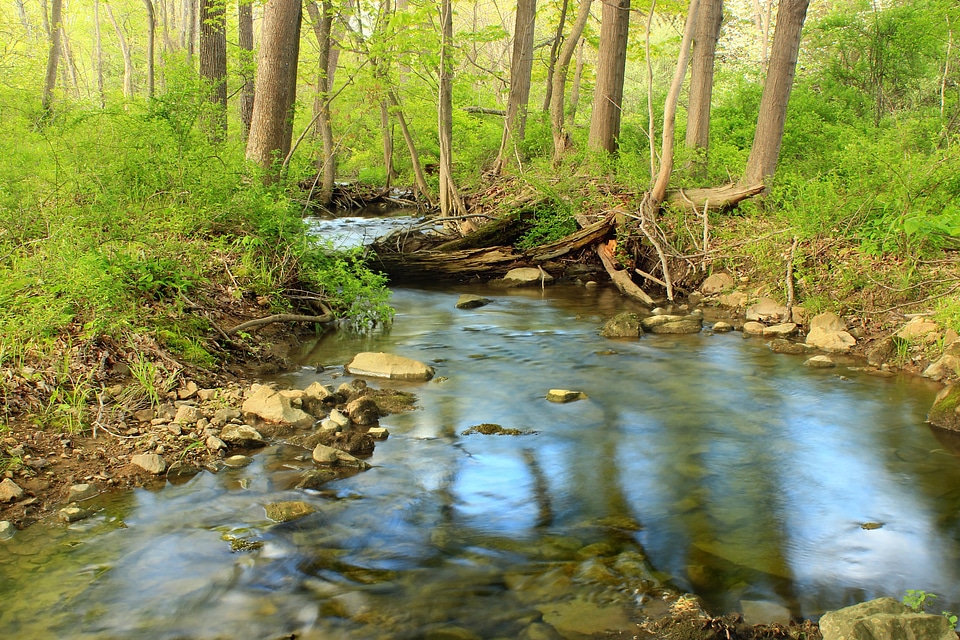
[[554, 53], [322, 19], [245, 40], [53, 59], [701, 83], [521, 66], [271, 128], [575, 90], [127, 56], [611, 65], [419, 176], [450, 203], [213, 66], [560, 137], [762, 163], [151, 40]]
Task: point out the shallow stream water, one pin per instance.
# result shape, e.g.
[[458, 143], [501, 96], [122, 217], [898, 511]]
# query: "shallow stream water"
[[704, 463]]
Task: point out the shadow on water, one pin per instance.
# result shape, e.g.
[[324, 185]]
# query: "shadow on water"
[[704, 462]]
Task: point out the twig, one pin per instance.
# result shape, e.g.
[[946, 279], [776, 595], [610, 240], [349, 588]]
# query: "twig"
[[908, 304], [706, 234], [793, 252], [650, 276]]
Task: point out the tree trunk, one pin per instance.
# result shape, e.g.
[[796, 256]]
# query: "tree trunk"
[[70, 66], [125, 49], [322, 28], [245, 39], [386, 132], [659, 190], [701, 83], [213, 66], [151, 39], [22, 15], [560, 137], [575, 90], [53, 59], [554, 52], [188, 28], [450, 203], [420, 178], [762, 10], [762, 163], [611, 64], [276, 86], [98, 53], [521, 66]]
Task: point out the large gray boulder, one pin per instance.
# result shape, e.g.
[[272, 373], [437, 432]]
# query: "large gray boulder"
[[387, 365], [673, 324], [884, 618], [622, 325], [270, 405]]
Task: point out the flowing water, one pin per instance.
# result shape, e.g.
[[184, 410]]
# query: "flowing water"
[[703, 462]]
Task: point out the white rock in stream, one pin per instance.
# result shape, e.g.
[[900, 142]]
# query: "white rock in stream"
[[387, 365]]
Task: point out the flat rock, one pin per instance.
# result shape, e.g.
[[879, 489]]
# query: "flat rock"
[[269, 405], [10, 491], [563, 395], [782, 345], [917, 329], [288, 510], [884, 618], [735, 299], [73, 514], [947, 366], [238, 461], [524, 277], [79, 492], [717, 283], [831, 341], [586, 618], [671, 324], [387, 365], [471, 301], [242, 435], [782, 330], [149, 462], [322, 454], [828, 321], [722, 327], [767, 310], [187, 414], [622, 325], [378, 433], [753, 328], [819, 362]]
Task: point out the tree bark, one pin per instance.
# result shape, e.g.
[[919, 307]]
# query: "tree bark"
[[98, 53], [762, 163], [611, 65], [188, 32], [125, 49], [762, 10], [560, 136], [420, 178], [521, 66], [701, 83], [271, 128], [245, 39], [554, 53], [151, 40], [53, 59], [70, 66], [213, 66], [322, 20], [575, 90], [450, 203]]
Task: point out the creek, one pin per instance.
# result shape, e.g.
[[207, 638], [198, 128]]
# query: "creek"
[[704, 462]]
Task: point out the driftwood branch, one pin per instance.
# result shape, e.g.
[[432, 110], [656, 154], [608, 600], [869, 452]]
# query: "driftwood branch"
[[718, 198], [790, 292], [281, 317], [622, 279]]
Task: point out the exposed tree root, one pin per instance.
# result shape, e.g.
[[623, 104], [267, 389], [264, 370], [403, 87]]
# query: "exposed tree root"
[[281, 317]]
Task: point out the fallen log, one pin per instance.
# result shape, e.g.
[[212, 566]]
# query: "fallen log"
[[280, 317], [622, 279], [585, 237], [499, 232], [432, 264], [715, 198]]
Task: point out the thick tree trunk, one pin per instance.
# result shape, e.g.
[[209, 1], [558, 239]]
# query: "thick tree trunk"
[[450, 204], [611, 64], [98, 53], [151, 40], [701, 83], [762, 163], [271, 128], [245, 38], [213, 66], [521, 66], [53, 59], [560, 137], [127, 56], [554, 52]]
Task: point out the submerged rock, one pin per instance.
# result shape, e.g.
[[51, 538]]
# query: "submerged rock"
[[583, 617], [669, 324], [471, 301], [387, 365], [782, 345], [820, 362], [79, 492], [287, 511], [764, 612], [884, 618], [73, 513]]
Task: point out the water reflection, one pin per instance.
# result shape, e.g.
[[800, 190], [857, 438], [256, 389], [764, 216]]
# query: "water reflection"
[[735, 472]]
